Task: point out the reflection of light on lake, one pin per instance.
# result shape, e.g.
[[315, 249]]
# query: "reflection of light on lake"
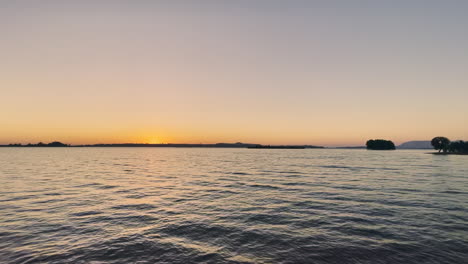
[[230, 205]]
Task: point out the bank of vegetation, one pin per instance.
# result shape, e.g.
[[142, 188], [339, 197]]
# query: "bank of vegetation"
[[40, 144], [445, 146], [380, 144]]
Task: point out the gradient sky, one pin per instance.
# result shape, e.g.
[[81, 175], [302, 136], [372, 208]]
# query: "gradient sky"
[[278, 72]]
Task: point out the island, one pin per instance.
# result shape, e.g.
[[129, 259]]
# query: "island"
[[380, 144]]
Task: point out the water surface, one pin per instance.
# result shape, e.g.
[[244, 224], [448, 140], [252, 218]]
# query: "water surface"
[[164, 205]]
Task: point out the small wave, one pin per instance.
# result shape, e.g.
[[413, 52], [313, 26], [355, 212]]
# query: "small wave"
[[144, 206], [454, 192], [86, 213], [355, 168], [103, 186], [239, 173], [52, 193], [18, 198], [263, 186], [48, 201], [136, 196]]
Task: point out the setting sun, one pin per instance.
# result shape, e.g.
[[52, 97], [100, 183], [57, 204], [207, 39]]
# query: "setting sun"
[[154, 141]]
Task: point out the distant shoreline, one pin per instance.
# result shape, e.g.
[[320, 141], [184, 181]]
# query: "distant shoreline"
[[277, 147], [446, 153], [169, 145]]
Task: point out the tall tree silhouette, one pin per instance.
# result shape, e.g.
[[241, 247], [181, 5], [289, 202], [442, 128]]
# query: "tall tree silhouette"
[[440, 143]]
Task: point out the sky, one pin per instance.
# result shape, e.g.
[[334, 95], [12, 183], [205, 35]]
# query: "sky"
[[271, 72]]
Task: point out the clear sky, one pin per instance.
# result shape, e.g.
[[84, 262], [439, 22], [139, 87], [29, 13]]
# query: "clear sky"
[[277, 72]]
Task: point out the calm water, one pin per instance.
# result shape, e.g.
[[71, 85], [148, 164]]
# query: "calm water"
[[153, 205]]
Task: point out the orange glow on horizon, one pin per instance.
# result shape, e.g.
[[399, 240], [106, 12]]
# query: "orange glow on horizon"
[[312, 76]]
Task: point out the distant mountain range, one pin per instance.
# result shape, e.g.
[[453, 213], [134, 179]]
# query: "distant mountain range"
[[417, 144]]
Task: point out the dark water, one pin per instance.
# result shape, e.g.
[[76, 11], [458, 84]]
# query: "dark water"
[[149, 205]]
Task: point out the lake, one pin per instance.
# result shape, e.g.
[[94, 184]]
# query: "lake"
[[195, 205]]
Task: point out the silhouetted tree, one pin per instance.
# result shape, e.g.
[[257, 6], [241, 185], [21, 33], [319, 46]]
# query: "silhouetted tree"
[[440, 143], [380, 144]]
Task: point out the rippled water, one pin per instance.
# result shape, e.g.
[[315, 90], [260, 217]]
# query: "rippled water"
[[154, 205]]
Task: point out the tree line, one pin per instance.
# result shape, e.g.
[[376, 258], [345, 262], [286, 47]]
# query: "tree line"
[[443, 144], [40, 144], [380, 144]]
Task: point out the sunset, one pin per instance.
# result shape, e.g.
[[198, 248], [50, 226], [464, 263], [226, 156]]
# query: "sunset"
[[242, 131], [289, 73]]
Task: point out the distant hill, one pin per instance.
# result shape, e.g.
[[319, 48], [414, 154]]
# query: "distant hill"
[[417, 144]]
